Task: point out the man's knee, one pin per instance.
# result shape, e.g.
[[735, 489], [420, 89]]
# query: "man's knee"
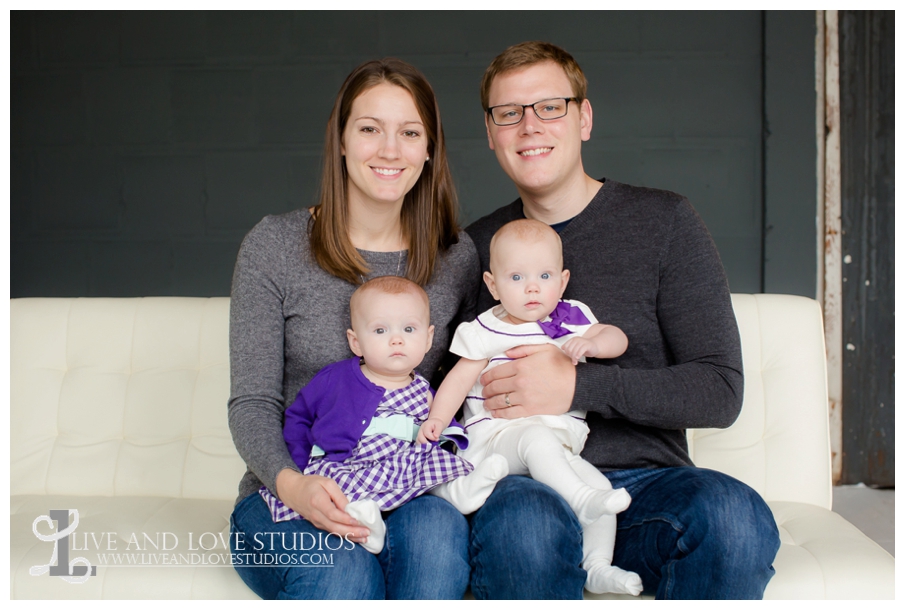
[[693, 533], [733, 519]]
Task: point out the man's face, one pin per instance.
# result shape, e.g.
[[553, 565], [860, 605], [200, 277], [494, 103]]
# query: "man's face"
[[541, 157]]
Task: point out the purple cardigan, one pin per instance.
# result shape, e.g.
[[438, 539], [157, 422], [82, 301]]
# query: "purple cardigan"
[[332, 412]]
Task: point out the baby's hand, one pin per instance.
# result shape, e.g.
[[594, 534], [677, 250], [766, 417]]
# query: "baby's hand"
[[430, 430], [576, 347]]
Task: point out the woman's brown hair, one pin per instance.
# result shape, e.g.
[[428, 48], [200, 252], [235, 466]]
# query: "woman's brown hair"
[[428, 213]]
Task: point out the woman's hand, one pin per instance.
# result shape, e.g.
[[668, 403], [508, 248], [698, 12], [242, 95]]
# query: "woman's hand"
[[320, 501], [430, 430], [539, 381]]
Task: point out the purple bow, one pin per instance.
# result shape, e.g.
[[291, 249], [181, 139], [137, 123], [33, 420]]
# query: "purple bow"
[[563, 314]]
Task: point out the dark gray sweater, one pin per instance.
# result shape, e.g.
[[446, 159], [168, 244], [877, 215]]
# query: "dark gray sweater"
[[643, 260], [288, 320]]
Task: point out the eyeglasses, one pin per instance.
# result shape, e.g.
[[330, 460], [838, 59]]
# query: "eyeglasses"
[[546, 110]]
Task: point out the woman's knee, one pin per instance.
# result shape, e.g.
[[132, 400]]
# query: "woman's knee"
[[521, 505], [286, 560], [353, 573], [426, 552], [525, 542]]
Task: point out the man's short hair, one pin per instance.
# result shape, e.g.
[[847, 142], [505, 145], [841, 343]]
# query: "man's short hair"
[[527, 54], [388, 284]]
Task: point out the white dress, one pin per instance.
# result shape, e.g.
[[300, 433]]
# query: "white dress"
[[587, 491], [488, 337]]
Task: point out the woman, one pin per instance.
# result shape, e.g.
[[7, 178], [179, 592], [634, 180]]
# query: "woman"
[[387, 207]]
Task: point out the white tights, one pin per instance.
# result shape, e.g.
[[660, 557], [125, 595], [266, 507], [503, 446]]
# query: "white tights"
[[535, 450]]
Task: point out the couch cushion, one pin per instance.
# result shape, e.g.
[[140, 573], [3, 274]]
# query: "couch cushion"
[[121, 397], [780, 443], [823, 556]]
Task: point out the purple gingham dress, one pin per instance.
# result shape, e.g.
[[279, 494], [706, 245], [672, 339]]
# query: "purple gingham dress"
[[388, 470]]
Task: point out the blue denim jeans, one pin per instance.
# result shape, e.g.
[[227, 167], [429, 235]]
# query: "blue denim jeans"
[[525, 544], [425, 555], [693, 533], [690, 533]]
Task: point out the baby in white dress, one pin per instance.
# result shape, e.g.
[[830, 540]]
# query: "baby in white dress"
[[527, 277]]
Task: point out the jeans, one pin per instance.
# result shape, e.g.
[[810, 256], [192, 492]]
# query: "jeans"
[[425, 555], [693, 533], [690, 533], [525, 544]]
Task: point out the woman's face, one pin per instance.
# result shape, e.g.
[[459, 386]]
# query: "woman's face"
[[384, 144]]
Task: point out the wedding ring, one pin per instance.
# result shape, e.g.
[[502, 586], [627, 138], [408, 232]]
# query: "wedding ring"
[[508, 404]]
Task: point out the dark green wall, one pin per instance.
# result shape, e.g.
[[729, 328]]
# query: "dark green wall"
[[145, 145], [791, 245]]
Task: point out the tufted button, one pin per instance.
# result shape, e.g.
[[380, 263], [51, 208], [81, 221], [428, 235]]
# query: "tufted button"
[[364, 421]]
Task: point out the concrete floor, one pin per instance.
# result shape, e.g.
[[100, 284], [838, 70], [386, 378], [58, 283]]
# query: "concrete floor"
[[873, 511]]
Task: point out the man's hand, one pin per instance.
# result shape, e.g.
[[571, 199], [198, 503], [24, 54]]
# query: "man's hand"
[[539, 381], [430, 430], [320, 501]]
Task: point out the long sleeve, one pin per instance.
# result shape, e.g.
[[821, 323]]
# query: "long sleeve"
[[332, 411], [702, 384], [288, 320], [296, 431], [256, 340], [643, 261]]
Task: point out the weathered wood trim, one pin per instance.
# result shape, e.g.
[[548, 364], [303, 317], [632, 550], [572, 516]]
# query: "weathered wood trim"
[[867, 166], [832, 238]]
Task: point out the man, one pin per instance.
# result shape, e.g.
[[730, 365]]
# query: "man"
[[644, 262]]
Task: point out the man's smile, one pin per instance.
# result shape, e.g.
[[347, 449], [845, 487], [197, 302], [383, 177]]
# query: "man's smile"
[[533, 152]]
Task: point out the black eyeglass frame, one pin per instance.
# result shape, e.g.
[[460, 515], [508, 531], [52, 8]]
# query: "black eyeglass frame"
[[532, 107]]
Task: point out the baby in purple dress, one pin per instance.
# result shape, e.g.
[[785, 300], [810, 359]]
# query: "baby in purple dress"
[[356, 420]]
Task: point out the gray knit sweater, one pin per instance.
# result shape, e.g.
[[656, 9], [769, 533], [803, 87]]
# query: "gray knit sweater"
[[642, 260], [288, 319]]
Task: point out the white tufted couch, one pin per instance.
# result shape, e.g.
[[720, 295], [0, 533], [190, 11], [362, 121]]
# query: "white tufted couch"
[[118, 411]]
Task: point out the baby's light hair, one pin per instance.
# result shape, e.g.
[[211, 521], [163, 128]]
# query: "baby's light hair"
[[388, 284], [528, 231]]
